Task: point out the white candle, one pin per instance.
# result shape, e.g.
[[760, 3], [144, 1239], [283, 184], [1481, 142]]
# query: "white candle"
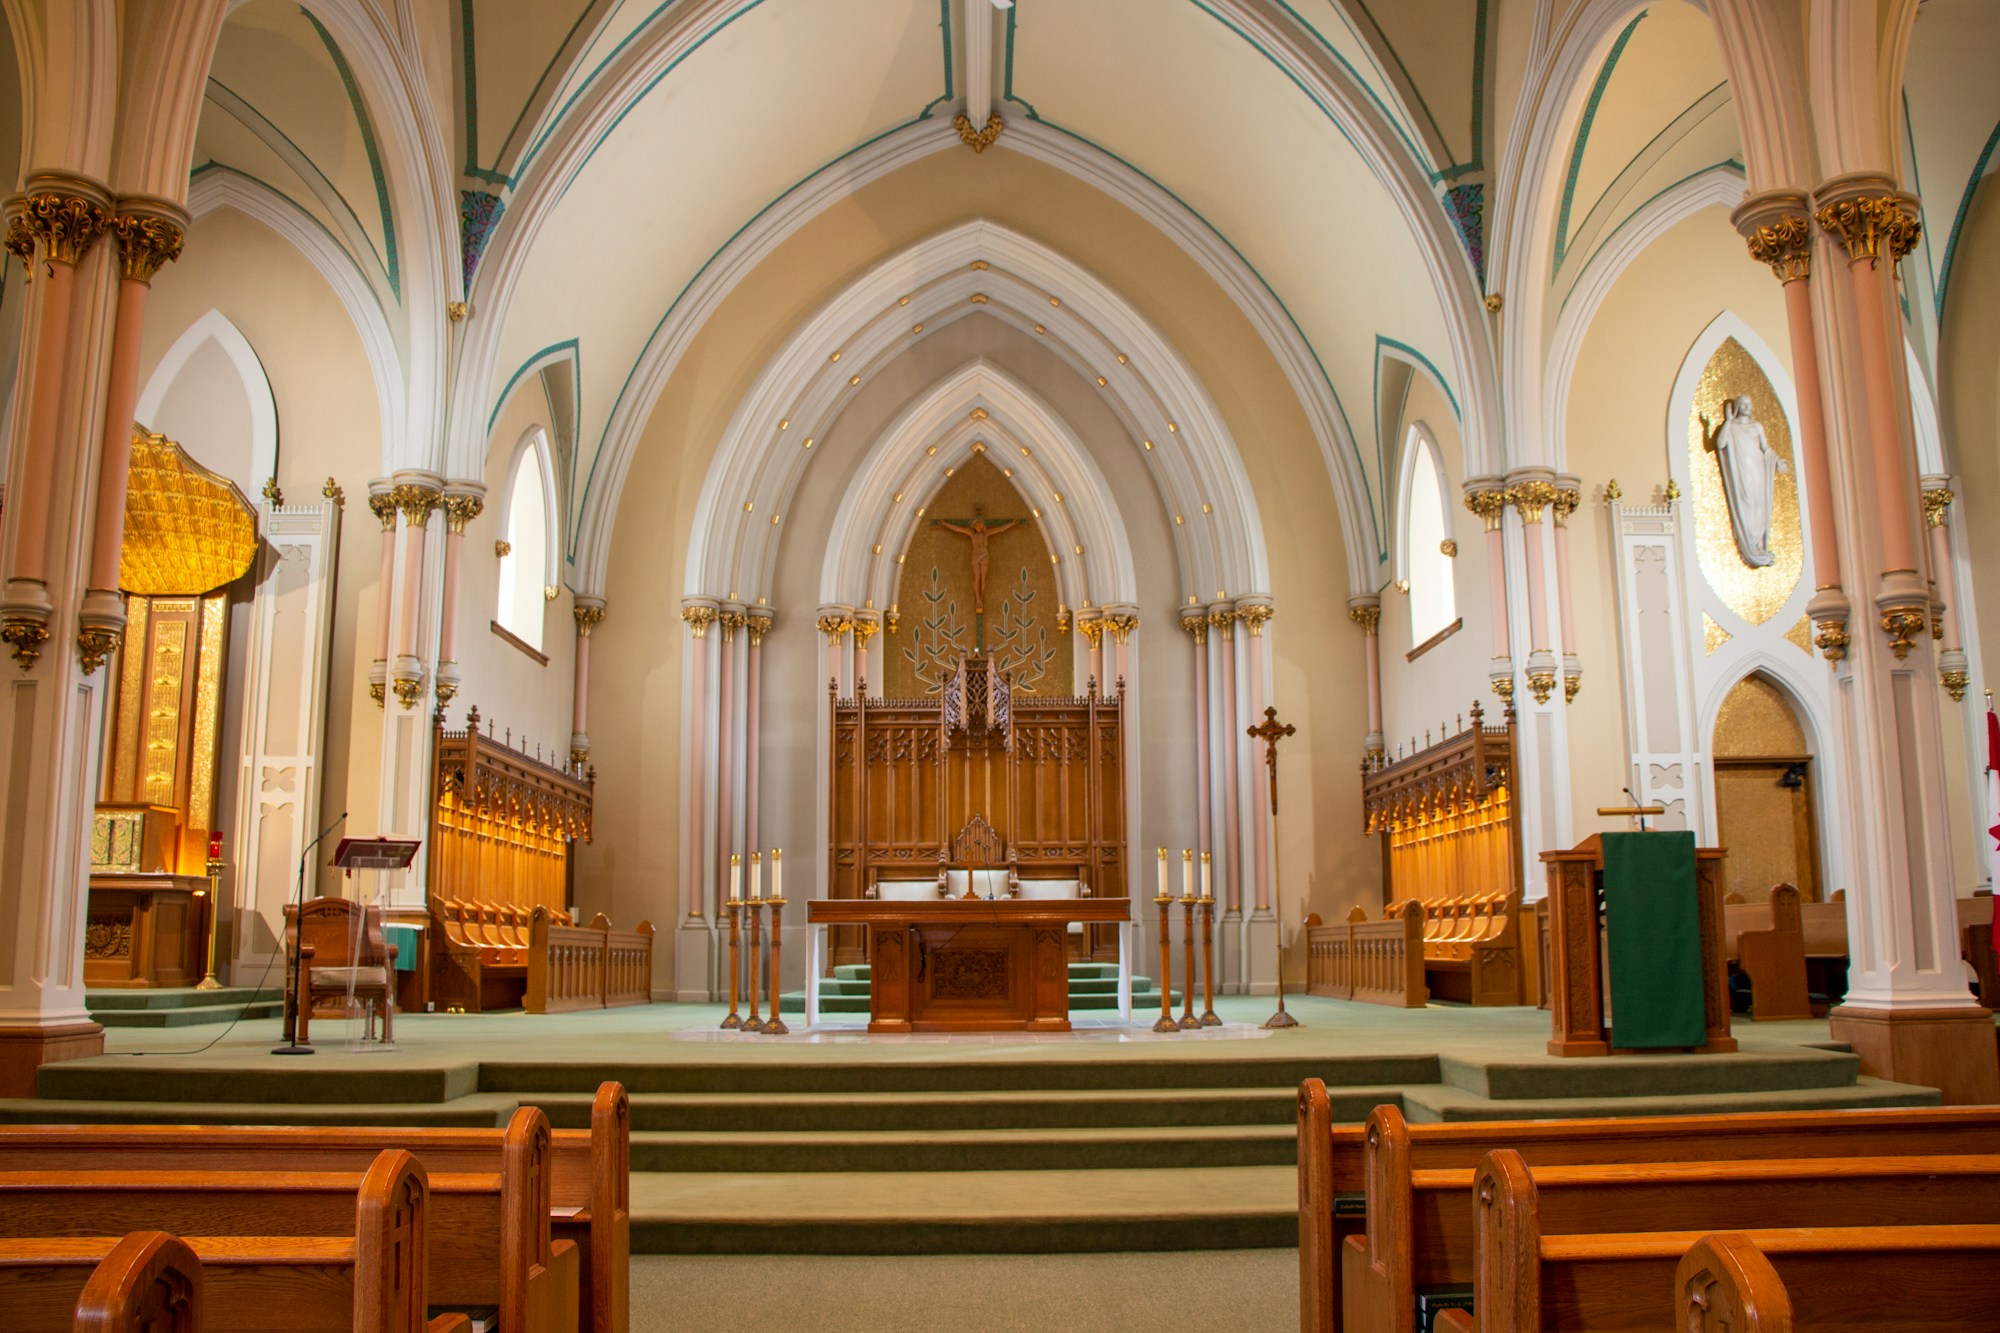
[[1163, 873], [1187, 873], [777, 872], [735, 878], [756, 877], [1205, 881]]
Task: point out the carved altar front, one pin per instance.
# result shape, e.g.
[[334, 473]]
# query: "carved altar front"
[[979, 777]]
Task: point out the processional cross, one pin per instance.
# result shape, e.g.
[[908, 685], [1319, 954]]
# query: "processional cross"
[[979, 532], [1271, 731]]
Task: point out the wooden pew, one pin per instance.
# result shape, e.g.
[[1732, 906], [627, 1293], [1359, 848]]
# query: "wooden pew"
[[1530, 1276], [1726, 1285], [371, 1277], [1774, 958], [150, 1281], [473, 968], [1334, 1171], [490, 1231]]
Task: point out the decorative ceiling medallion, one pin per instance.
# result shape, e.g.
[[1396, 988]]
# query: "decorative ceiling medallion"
[[1712, 634], [187, 530], [1754, 593]]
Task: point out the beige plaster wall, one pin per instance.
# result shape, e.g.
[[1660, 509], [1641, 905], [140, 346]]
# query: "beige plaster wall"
[[633, 868]]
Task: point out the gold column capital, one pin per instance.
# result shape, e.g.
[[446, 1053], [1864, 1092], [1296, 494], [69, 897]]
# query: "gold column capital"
[[1255, 615], [1565, 502], [1368, 615], [1530, 498], [94, 646], [145, 244], [460, 510], [1489, 503], [865, 627], [1936, 501], [731, 620], [1777, 228], [383, 505], [416, 502], [698, 619], [1223, 621], [1869, 218], [759, 621], [21, 240], [588, 617], [65, 224], [1196, 624], [833, 625], [1121, 624]]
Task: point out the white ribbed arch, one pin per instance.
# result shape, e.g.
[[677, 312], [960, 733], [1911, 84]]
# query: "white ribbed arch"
[[1156, 397]]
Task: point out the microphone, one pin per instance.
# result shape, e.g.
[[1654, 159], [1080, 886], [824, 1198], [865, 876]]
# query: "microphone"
[[322, 836], [295, 983]]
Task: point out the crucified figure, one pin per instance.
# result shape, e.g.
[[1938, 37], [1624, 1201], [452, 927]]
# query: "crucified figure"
[[979, 532]]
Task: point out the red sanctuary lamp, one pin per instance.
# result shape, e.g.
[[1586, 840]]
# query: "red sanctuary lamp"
[[214, 871]]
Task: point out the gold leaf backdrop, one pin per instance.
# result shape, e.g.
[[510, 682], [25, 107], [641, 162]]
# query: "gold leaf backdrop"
[[1754, 594], [934, 594]]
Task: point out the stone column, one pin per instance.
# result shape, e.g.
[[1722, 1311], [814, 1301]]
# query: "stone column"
[[759, 624], [51, 709], [695, 978], [1945, 626], [589, 614], [1090, 624], [463, 502], [1254, 611], [383, 503], [1778, 229], [866, 624], [1195, 622], [1487, 498], [149, 234], [417, 494], [1907, 1014], [1121, 620], [834, 622], [731, 618], [1530, 493], [1367, 613], [1569, 494]]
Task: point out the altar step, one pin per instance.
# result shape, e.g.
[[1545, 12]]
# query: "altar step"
[[181, 1006]]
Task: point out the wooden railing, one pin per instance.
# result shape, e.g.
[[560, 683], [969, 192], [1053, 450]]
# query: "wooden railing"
[[587, 967], [1380, 962]]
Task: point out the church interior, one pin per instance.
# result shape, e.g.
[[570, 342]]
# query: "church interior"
[[1024, 663]]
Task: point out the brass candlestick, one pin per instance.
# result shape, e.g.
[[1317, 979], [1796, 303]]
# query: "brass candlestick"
[[1165, 901], [754, 1023], [1188, 1021], [1271, 731], [735, 906], [774, 1026], [1208, 1018], [209, 982]]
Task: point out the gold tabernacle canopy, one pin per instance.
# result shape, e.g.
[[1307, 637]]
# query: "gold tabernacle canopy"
[[187, 531]]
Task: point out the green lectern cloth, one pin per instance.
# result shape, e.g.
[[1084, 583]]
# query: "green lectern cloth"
[[1655, 940]]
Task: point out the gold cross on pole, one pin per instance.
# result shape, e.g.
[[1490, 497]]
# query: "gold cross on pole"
[[1271, 731]]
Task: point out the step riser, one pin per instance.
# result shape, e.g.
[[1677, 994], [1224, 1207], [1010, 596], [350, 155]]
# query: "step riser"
[[1027, 1236], [181, 998], [904, 1155], [836, 1118], [337, 1087], [1659, 1076], [180, 1018]]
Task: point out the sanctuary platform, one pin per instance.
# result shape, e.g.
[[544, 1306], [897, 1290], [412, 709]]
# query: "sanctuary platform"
[[1108, 1138]]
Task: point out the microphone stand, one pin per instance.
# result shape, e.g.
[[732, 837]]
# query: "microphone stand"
[[294, 981]]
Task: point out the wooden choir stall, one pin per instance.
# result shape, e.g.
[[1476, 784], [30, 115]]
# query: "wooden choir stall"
[[1453, 925], [978, 846], [499, 933]]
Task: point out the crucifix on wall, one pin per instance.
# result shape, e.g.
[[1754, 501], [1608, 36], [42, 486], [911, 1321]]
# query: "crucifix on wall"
[[979, 531]]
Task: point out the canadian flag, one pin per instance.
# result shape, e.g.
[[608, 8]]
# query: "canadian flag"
[[1993, 798]]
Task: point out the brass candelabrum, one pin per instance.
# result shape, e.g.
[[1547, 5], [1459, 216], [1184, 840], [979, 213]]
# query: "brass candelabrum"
[[214, 868], [1188, 901], [735, 906], [774, 1026], [1208, 1018], [1165, 902]]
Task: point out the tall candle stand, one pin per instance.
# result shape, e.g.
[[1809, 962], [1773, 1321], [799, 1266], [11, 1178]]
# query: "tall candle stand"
[[1188, 1021], [214, 868], [1165, 901], [1208, 1018], [774, 1026], [753, 906], [735, 906]]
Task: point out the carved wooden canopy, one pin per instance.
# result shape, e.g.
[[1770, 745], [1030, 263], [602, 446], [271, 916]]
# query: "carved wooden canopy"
[[491, 778], [187, 530], [1460, 770]]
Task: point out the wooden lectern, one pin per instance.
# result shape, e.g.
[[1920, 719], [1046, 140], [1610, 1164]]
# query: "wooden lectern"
[[1576, 951]]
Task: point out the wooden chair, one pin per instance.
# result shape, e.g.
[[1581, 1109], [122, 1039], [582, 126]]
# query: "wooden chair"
[[343, 958], [589, 1171], [1334, 1169], [150, 1282]]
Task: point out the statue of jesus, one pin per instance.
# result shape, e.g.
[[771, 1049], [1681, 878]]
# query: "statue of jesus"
[[1750, 468], [979, 532]]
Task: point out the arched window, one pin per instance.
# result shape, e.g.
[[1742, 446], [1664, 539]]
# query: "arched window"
[[1433, 600], [524, 567]]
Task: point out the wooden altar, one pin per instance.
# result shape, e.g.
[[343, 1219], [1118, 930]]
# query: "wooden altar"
[[968, 964], [981, 776]]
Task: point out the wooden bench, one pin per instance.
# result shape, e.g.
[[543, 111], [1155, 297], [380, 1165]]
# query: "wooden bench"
[[1727, 1282], [370, 1277], [478, 962], [1535, 1271], [1334, 1168], [496, 1196], [150, 1281]]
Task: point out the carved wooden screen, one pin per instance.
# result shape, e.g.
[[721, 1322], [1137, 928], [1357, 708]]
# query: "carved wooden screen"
[[1448, 814], [909, 775], [503, 823]]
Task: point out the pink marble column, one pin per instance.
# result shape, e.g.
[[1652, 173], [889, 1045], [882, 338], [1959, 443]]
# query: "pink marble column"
[[1531, 544], [1196, 625], [383, 504], [415, 500], [1120, 622], [1090, 624], [142, 249], [1937, 504], [1222, 622], [759, 625], [1255, 614], [589, 613], [865, 624], [835, 622], [1568, 495], [1367, 613], [731, 618], [463, 502], [699, 616], [1485, 497]]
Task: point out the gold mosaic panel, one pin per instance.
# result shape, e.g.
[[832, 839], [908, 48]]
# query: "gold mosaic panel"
[[168, 660], [207, 703], [187, 530], [1800, 636], [1754, 594], [1757, 718], [1712, 634]]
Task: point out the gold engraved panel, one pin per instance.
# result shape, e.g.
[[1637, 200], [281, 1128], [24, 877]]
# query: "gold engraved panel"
[[1754, 594], [167, 662], [131, 687], [207, 705]]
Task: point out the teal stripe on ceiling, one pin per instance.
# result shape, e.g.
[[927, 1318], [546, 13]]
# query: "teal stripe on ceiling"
[[1958, 219], [1583, 134], [374, 153]]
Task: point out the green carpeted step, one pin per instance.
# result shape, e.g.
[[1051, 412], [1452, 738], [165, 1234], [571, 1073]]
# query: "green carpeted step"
[[480, 1110], [989, 1212], [333, 1077], [1123, 1148], [189, 1015], [853, 971], [177, 997], [1430, 1105], [1660, 1075]]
